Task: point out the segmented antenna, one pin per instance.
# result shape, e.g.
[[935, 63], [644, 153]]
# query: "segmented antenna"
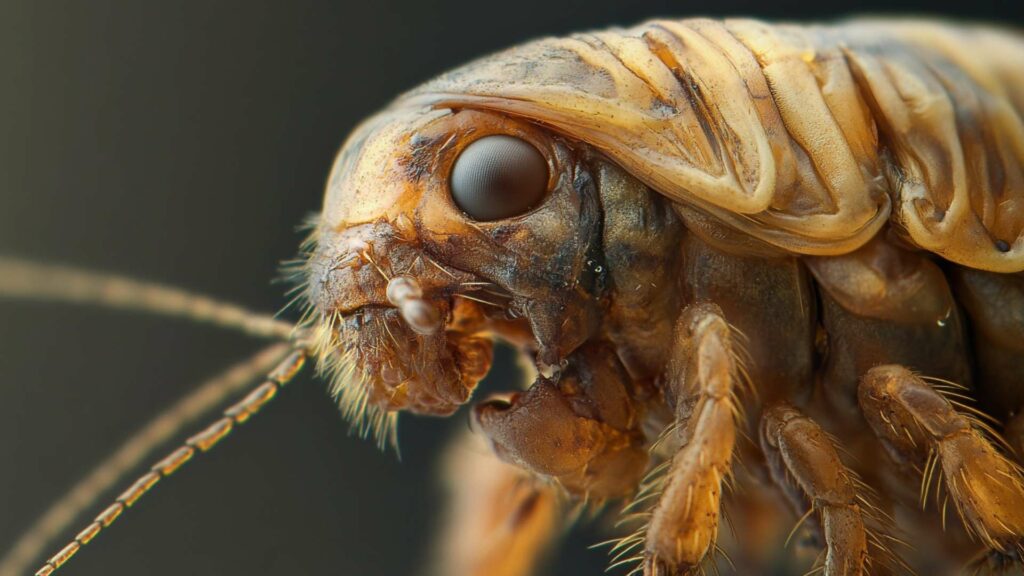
[[33, 281], [140, 446], [237, 414]]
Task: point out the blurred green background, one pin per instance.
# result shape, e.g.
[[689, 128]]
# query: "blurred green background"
[[183, 142]]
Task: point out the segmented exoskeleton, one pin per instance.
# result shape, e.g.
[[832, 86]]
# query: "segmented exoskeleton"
[[799, 246]]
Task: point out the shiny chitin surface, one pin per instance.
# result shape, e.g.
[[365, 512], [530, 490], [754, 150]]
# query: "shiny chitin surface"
[[799, 247]]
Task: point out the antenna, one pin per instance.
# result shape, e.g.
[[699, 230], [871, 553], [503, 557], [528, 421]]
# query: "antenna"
[[205, 440], [138, 447], [51, 282]]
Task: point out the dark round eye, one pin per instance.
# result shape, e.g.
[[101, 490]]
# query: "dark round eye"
[[498, 177]]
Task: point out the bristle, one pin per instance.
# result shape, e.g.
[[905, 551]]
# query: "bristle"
[[628, 549], [350, 389], [926, 477], [335, 361], [880, 527], [296, 272]]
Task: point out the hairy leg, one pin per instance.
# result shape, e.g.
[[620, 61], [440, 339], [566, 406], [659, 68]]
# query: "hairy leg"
[[921, 425], [805, 464], [501, 519], [702, 383]]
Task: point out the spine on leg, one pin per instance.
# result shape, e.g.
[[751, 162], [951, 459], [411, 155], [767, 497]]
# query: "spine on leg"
[[684, 524], [924, 425]]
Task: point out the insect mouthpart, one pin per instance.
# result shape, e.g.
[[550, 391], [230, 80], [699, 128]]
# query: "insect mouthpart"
[[405, 294], [386, 359], [394, 333]]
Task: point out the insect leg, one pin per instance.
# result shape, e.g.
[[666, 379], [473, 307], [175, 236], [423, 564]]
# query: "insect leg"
[[805, 464], [703, 378], [925, 426], [33, 281], [501, 519], [141, 445]]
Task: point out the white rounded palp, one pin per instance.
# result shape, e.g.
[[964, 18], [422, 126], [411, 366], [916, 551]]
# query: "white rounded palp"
[[402, 289], [421, 316]]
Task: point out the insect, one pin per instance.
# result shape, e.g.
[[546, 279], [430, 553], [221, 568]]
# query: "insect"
[[748, 264]]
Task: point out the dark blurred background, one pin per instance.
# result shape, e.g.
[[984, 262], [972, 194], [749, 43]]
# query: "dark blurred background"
[[183, 142]]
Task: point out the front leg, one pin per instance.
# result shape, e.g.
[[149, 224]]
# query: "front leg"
[[702, 382], [581, 431]]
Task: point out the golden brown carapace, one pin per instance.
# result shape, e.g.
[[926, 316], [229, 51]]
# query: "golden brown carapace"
[[752, 268]]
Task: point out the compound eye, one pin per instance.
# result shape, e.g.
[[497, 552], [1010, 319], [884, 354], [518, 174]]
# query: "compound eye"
[[498, 177]]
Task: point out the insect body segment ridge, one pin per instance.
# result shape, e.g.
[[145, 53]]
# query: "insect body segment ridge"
[[715, 230], [809, 138]]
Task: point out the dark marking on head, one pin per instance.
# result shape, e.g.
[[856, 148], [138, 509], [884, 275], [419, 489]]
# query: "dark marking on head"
[[422, 156]]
